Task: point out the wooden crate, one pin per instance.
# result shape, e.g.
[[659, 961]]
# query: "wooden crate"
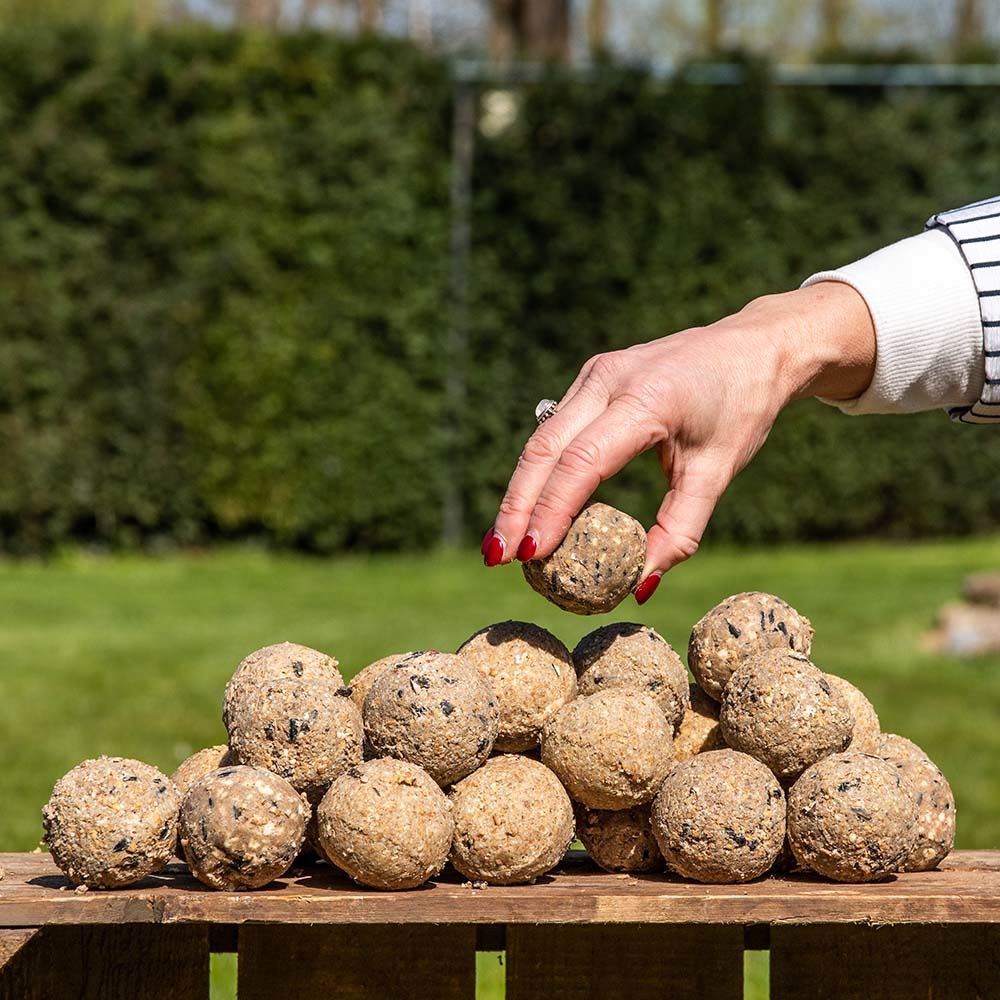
[[577, 933]]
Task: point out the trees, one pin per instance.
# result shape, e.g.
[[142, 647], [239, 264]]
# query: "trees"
[[104, 12], [967, 35], [833, 14], [597, 28], [715, 25], [529, 29]]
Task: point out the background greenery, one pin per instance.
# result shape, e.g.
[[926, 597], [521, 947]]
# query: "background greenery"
[[224, 295]]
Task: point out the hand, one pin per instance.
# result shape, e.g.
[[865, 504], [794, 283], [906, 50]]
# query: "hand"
[[705, 398]]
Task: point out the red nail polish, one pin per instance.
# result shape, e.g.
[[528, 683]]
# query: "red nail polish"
[[486, 542], [494, 551], [647, 588], [527, 548]]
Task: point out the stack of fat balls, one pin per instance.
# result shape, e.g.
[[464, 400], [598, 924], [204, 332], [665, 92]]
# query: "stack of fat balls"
[[495, 757]]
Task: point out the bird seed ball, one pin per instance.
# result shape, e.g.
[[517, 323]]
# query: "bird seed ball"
[[241, 827], [111, 822], [852, 818], [289, 660], [387, 824], [867, 734], [597, 564], [436, 711], [611, 750], [198, 765], [935, 802], [736, 629], [785, 861], [720, 817], [289, 712], [363, 680], [309, 853], [513, 821], [619, 840], [627, 655], [195, 767], [899, 748], [699, 730], [780, 708], [531, 673]]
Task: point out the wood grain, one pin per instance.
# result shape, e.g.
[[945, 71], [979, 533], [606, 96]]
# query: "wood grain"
[[363, 962], [966, 890], [890, 963], [624, 962], [12, 941], [114, 962]]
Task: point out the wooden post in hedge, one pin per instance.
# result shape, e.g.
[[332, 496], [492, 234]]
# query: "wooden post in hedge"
[[463, 143]]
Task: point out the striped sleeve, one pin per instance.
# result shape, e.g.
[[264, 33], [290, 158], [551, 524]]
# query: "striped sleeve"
[[975, 230]]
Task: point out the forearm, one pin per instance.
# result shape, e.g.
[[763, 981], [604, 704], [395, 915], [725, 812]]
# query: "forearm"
[[922, 298], [822, 336]]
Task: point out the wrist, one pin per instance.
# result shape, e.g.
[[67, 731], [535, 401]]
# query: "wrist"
[[823, 339]]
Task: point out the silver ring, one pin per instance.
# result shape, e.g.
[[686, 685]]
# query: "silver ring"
[[546, 408]]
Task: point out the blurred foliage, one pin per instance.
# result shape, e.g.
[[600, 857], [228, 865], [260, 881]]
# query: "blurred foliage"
[[627, 209], [224, 295], [221, 289], [108, 13]]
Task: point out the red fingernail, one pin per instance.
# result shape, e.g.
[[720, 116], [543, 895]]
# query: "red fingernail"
[[647, 588], [494, 551], [527, 548], [486, 542]]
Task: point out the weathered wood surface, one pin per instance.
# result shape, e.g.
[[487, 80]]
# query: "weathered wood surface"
[[966, 890], [901, 962], [110, 962], [365, 962], [624, 962], [12, 940]]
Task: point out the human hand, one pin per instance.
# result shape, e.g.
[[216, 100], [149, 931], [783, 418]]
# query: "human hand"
[[705, 399]]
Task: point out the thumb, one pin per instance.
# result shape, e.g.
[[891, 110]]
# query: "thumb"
[[680, 523]]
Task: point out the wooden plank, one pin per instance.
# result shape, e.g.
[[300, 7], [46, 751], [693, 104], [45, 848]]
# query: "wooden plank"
[[13, 940], [118, 962], [891, 963], [223, 938], [966, 890], [364, 962], [617, 962]]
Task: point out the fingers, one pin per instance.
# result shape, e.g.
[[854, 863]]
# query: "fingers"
[[583, 377], [680, 524], [577, 409], [598, 451]]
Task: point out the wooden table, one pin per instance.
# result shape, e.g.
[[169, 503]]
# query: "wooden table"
[[577, 933]]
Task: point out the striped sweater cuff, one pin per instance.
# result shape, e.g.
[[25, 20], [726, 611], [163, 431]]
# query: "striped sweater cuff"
[[975, 230]]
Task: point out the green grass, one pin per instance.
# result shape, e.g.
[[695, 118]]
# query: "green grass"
[[129, 655]]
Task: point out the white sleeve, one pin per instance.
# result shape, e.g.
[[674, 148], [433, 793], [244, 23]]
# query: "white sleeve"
[[929, 333]]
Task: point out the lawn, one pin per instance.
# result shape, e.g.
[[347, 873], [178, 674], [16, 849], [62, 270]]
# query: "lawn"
[[129, 655]]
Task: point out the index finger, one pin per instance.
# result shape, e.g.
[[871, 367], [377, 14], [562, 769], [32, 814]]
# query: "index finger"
[[534, 466], [601, 449]]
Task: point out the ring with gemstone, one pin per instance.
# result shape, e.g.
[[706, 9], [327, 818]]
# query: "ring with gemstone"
[[545, 409]]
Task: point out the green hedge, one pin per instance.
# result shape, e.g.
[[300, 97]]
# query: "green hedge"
[[224, 283], [221, 278], [627, 209]]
